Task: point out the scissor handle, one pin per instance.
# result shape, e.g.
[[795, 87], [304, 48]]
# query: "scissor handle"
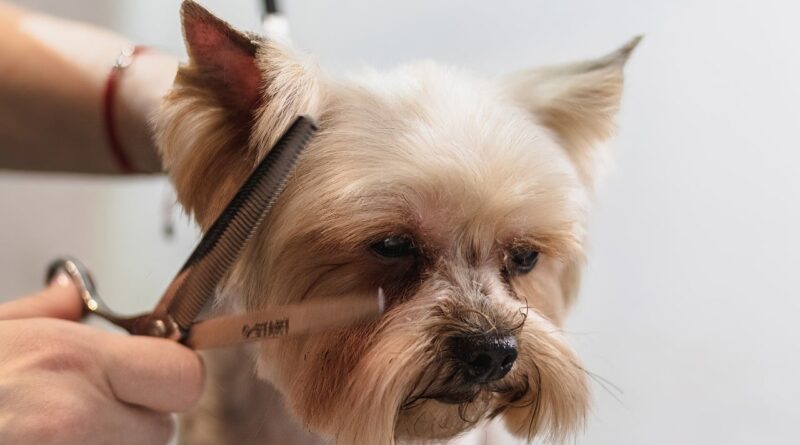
[[145, 324], [80, 276]]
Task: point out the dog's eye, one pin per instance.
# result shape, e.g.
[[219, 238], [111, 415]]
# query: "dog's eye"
[[522, 260], [394, 246]]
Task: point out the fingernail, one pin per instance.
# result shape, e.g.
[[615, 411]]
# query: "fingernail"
[[61, 279]]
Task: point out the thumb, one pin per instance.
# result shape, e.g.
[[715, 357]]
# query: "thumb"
[[59, 300], [152, 372]]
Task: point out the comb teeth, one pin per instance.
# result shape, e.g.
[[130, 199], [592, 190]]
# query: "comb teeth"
[[225, 239]]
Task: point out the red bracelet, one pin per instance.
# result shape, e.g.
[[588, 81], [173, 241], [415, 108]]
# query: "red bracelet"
[[124, 60]]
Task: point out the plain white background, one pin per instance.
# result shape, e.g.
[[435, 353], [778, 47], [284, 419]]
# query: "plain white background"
[[690, 298]]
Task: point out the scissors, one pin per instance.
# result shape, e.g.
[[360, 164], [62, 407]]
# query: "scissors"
[[175, 315]]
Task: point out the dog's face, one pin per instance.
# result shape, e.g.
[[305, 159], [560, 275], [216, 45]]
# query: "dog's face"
[[464, 199]]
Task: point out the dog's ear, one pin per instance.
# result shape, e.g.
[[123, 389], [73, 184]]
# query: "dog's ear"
[[227, 107], [223, 58], [578, 102]]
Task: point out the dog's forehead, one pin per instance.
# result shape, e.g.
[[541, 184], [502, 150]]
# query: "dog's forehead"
[[449, 149]]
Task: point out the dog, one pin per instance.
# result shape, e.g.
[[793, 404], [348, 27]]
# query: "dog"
[[464, 198]]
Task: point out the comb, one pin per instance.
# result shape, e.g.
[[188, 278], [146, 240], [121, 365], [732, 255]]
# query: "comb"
[[224, 241]]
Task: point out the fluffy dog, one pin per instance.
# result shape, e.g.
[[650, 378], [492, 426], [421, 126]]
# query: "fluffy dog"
[[464, 198]]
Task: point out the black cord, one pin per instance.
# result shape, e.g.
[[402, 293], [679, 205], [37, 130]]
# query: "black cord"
[[271, 7]]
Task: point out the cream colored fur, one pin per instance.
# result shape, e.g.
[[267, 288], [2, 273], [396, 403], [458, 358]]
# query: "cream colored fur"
[[469, 168]]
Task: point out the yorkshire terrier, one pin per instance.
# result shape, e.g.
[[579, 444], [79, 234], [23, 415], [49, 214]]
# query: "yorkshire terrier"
[[464, 198]]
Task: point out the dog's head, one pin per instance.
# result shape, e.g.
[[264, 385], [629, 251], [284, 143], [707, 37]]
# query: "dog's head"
[[463, 198]]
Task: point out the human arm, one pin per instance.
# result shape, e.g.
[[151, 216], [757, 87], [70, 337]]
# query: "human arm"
[[53, 74]]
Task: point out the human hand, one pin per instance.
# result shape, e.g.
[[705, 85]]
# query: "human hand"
[[66, 383]]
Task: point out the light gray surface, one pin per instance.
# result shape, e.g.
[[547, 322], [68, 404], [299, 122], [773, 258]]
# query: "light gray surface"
[[691, 293]]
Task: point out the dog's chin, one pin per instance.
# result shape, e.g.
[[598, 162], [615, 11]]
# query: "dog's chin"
[[458, 398], [444, 417], [445, 412]]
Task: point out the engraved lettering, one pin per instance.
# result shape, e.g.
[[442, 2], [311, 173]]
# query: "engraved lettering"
[[270, 328]]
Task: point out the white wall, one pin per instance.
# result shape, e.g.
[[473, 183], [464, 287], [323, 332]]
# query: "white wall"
[[690, 296]]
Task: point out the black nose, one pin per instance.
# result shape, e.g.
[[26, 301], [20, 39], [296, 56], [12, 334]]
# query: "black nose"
[[486, 358]]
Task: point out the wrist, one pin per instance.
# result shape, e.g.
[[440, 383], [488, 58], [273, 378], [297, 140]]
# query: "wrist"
[[140, 87]]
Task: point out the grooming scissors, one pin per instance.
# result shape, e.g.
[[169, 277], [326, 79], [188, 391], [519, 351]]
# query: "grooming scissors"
[[175, 315]]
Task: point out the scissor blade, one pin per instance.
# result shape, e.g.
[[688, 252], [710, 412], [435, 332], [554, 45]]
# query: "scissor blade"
[[282, 321], [224, 241]]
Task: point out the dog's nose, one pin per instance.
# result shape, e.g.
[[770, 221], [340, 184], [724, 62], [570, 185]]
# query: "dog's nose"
[[484, 359]]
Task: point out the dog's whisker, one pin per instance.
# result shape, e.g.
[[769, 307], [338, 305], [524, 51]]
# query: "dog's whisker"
[[524, 313], [607, 385]]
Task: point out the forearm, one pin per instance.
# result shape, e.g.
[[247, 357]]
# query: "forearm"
[[52, 82]]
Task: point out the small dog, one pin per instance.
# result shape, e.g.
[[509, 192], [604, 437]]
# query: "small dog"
[[464, 199]]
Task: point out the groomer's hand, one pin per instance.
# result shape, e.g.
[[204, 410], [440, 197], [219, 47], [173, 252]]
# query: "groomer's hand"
[[66, 383]]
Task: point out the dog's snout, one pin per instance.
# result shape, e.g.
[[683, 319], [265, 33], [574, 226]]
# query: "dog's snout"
[[485, 359]]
